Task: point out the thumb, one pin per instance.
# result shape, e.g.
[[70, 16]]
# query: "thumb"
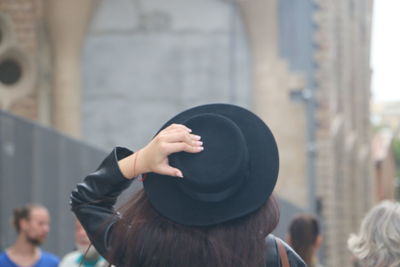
[[171, 171]]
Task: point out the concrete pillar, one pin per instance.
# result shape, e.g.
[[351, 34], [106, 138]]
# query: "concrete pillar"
[[272, 82], [67, 22]]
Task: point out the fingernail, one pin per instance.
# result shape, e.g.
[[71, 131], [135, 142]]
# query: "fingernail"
[[179, 174], [198, 143], [189, 130], [201, 148], [196, 137]]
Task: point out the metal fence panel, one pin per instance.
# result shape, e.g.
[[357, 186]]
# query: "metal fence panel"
[[39, 165]]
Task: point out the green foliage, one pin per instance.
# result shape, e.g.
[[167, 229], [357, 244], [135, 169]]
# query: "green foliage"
[[378, 127], [396, 151]]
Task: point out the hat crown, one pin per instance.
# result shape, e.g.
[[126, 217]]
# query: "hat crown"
[[217, 172], [233, 176]]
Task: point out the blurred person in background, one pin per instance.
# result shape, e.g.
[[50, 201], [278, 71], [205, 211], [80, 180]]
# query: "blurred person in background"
[[378, 241], [32, 223], [85, 254], [305, 238]]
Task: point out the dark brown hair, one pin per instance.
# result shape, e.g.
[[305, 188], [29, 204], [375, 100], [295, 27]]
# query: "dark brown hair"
[[304, 230], [23, 212], [143, 237]]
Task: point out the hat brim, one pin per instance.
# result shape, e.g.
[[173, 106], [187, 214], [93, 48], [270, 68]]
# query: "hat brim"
[[169, 200]]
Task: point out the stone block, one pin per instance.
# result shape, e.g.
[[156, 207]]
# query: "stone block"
[[204, 16], [114, 16]]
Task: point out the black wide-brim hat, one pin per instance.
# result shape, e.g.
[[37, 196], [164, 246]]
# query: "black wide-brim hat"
[[233, 176]]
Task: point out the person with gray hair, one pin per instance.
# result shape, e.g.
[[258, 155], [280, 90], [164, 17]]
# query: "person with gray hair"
[[378, 242]]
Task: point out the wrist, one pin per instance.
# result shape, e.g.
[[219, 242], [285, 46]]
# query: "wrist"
[[139, 162]]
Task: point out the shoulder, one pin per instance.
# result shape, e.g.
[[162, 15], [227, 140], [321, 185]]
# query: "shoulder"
[[70, 258], [3, 256], [5, 260], [294, 258], [272, 251], [49, 259], [102, 262]]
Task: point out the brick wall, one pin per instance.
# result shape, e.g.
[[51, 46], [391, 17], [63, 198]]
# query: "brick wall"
[[344, 164], [23, 17]]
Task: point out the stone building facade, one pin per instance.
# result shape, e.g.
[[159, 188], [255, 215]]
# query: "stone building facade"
[[20, 47], [345, 183], [386, 184], [133, 62], [156, 58]]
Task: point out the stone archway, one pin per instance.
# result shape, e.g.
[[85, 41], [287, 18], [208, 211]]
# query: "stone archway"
[[155, 58], [66, 23]]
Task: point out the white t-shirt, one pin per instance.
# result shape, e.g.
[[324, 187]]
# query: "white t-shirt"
[[74, 259]]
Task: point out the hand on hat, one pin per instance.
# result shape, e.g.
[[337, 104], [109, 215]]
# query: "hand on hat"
[[154, 156], [174, 138]]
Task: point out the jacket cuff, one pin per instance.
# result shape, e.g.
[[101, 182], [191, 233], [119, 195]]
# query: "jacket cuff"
[[110, 173], [106, 182], [120, 153]]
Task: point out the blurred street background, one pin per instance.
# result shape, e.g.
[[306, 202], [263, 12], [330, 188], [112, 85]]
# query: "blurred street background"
[[78, 77]]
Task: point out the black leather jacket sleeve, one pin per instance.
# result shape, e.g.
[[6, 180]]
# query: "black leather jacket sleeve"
[[93, 202]]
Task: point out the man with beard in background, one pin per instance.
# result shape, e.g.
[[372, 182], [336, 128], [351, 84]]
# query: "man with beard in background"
[[85, 254], [32, 223]]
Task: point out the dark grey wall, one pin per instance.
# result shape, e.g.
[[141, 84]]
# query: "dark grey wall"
[[40, 165]]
